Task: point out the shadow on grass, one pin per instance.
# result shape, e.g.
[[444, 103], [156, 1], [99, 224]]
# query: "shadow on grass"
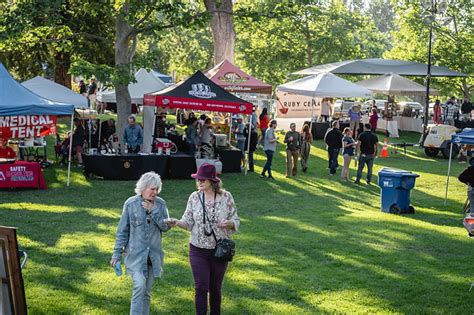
[[307, 244]]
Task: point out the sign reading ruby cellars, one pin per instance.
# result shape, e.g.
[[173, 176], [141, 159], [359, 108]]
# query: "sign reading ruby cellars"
[[291, 105], [198, 93], [27, 126]]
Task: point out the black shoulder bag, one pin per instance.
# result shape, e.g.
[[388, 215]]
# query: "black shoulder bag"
[[225, 248]]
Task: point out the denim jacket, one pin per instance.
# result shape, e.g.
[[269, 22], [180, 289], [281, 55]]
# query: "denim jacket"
[[139, 235], [133, 136]]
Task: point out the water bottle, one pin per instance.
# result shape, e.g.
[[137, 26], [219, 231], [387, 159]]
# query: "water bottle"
[[118, 269]]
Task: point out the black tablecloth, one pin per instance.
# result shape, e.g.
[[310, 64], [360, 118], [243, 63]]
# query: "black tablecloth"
[[125, 167], [318, 129], [181, 166], [180, 143], [230, 159]]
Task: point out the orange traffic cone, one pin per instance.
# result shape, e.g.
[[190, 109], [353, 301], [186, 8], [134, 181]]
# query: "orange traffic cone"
[[385, 149]]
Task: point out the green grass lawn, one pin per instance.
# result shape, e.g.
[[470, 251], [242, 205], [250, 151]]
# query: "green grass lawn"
[[309, 244]]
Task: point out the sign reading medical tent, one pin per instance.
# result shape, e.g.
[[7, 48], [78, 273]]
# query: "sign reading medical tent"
[[291, 105], [27, 126], [198, 93]]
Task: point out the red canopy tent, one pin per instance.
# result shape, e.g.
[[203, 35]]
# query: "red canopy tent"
[[232, 79]]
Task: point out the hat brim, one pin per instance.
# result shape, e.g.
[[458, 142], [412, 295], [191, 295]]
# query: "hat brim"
[[214, 180]]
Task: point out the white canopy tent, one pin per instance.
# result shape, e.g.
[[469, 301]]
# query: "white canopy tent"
[[324, 85], [321, 85], [55, 92], [146, 82], [394, 84], [381, 66]]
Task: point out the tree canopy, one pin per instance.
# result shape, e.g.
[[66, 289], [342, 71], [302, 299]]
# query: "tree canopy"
[[272, 37]]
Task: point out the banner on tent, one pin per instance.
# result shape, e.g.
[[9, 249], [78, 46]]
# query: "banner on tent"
[[27, 126], [198, 105], [290, 105]]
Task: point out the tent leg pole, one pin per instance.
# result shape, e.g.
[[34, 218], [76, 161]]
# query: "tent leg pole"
[[230, 127], [70, 152], [449, 171], [98, 141], [248, 144]]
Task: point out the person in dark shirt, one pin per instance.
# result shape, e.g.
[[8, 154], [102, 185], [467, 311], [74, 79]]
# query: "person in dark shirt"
[[466, 108], [467, 177], [107, 129], [293, 145], [333, 140], [253, 144], [82, 88], [91, 93], [368, 146], [78, 140]]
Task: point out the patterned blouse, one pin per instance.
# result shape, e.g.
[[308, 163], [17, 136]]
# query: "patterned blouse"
[[222, 209]]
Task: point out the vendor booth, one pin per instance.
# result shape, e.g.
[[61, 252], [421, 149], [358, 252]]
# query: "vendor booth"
[[392, 84], [198, 94], [232, 79], [25, 116], [301, 100], [167, 155]]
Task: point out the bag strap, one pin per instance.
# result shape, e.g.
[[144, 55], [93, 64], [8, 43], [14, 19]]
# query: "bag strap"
[[204, 216]]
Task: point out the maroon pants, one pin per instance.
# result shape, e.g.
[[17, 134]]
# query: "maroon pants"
[[208, 273]]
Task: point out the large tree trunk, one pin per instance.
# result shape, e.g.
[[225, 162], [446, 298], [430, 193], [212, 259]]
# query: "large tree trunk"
[[122, 64], [222, 27], [61, 69]]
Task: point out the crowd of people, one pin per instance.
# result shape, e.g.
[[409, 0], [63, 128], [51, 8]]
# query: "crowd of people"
[[451, 111]]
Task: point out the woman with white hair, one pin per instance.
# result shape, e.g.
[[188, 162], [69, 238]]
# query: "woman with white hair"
[[138, 238]]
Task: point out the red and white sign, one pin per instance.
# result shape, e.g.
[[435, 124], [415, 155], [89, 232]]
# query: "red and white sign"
[[27, 126], [21, 174], [297, 106], [197, 104]]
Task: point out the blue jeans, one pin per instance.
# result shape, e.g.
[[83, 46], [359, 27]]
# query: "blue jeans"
[[251, 166], [365, 159], [268, 164], [241, 147], [333, 155], [141, 292]]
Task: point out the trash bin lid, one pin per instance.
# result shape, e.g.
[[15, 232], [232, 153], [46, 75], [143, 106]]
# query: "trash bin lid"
[[394, 172]]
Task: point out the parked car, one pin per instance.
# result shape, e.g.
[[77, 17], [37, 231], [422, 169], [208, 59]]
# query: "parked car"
[[341, 107], [368, 105], [415, 107]]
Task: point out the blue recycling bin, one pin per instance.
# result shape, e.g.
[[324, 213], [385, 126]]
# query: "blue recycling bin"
[[395, 188]]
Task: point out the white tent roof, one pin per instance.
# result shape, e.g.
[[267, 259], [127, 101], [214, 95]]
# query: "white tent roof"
[[55, 92], [324, 85], [381, 66], [146, 83], [393, 84]]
